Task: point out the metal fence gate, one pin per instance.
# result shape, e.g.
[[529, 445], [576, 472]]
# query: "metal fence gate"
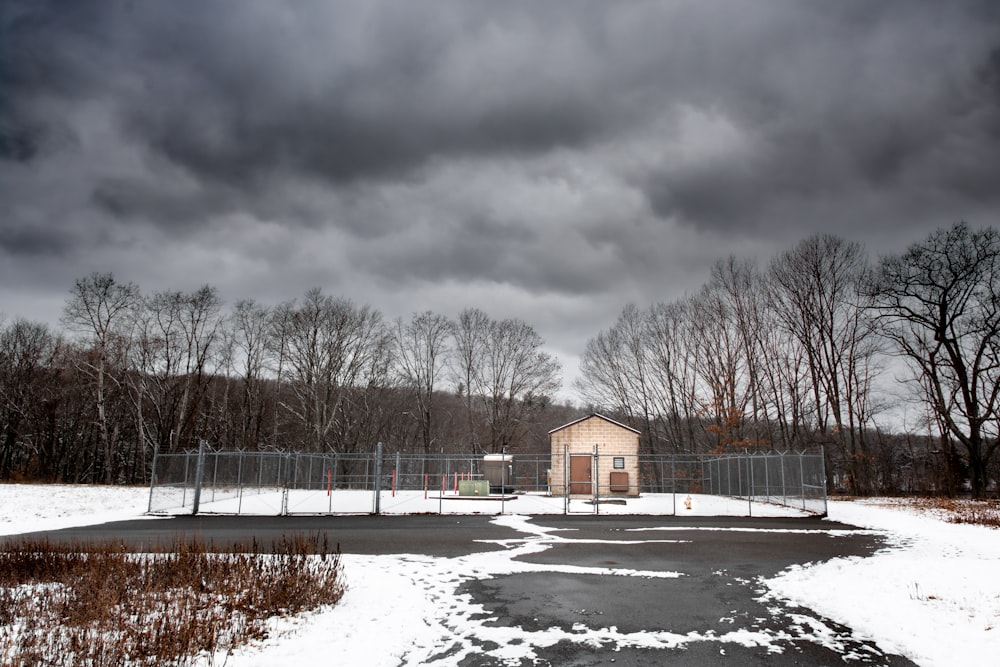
[[381, 482]]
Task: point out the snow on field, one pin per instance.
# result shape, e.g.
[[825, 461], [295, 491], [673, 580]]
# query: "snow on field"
[[31, 507], [269, 502], [932, 594]]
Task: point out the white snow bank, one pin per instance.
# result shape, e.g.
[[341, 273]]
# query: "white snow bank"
[[933, 595], [26, 508]]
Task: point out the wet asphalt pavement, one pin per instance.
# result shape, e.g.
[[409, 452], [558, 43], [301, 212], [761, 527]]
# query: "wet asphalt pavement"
[[717, 607]]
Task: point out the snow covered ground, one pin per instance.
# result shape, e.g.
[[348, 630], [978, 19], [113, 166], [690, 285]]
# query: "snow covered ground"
[[931, 595], [268, 502]]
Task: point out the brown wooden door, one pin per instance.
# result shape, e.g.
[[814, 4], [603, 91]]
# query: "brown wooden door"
[[579, 474]]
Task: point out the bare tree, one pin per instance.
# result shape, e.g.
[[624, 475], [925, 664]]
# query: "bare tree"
[[330, 348], [177, 336], [250, 324], [606, 374], [98, 312], [939, 302], [201, 321], [470, 334], [617, 371], [673, 373], [421, 347], [817, 297], [27, 356], [741, 285], [514, 381], [721, 365]]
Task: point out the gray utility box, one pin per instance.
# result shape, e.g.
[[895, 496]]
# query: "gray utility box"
[[473, 487], [499, 470]]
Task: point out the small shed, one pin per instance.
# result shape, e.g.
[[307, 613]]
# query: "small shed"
[[594, 455]]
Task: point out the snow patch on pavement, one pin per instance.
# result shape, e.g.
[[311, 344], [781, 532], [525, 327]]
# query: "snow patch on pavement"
[[932, 594]]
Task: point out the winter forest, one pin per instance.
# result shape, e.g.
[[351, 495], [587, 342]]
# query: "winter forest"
[[891, 364]]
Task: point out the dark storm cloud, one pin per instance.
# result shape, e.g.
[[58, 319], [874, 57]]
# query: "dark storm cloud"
[[575, 150], [334, 95], [35, 241], [834, 97]]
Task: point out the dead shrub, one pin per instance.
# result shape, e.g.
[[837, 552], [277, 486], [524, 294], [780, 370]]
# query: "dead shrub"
[[959, 510], [976, 512], [100, 605]]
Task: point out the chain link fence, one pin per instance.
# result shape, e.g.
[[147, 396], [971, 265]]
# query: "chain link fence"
[[282, 483]]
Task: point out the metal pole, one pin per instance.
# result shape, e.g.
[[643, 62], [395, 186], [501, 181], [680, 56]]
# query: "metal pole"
[[286, 484], [215, 475], [152, 481], [565, 479], [596, 481], [739, 478], [822, 477], [378, 478], [239, 484], [673, 482], [187, 466], [784, 491], [198, 476], [749, 484], [767, 479], [503, 483], [729, 478]]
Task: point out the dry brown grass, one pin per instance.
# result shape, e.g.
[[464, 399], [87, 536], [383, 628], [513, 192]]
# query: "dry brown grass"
[[100, 605], [952, 510], [976, 512]]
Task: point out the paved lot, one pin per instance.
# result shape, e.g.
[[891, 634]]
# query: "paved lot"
[[715, 611]]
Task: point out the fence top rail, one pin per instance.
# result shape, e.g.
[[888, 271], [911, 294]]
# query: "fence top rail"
[[467, 456]]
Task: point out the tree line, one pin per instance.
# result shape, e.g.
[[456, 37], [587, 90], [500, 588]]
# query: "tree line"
[[133, 374], [824, 347]]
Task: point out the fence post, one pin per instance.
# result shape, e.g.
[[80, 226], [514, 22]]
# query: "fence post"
[[378, 478], [729, 478], [503, 481], [767, 478], [565, 479], [199, 473], [215, 475], [784, 489], [239, 484], [596, 481], [152, 480], [399, 475], [288, 482], [749, 483], [822, 477], [673, 482], [802, 480]]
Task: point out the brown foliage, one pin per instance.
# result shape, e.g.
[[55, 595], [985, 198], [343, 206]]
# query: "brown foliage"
[[976, 512], [100, 605]]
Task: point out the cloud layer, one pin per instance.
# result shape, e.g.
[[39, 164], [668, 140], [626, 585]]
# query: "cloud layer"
[[551, 161]]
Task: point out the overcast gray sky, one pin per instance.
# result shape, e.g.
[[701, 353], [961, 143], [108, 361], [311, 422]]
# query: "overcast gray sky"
[[551, 161]]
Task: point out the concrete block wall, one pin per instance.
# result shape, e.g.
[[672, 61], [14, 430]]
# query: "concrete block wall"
[[612, 439]]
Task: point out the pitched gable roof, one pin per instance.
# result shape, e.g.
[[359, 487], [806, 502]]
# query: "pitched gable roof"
[[592, 416]]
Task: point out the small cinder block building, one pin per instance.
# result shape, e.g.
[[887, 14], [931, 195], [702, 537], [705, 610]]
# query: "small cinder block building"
[[594, 455]]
